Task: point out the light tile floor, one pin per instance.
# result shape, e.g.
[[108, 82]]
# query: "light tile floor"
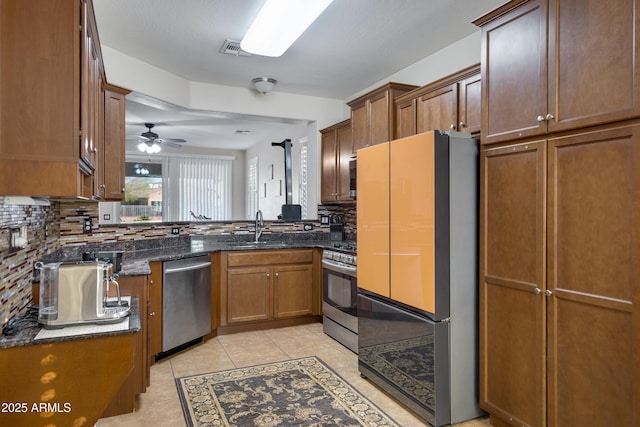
[[160, 405]]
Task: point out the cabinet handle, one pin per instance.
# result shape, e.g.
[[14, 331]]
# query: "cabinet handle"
[[548, 293], [268, 275], [94, 150], [153, 313], [124, 190], [540, 119], [463, 125], [453, 127], [537, 291], [277, 274], [549, 117]]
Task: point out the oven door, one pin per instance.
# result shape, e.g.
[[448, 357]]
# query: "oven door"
[[339, 293]]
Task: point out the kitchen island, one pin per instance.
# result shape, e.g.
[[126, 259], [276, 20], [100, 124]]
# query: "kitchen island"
[[68, 380]]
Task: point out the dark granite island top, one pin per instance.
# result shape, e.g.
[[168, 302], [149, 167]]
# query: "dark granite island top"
[[26, 328]]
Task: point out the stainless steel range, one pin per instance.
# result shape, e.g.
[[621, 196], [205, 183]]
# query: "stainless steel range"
[[340, 291]]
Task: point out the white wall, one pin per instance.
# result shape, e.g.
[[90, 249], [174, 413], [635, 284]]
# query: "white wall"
[[269, 203], [455, 57]]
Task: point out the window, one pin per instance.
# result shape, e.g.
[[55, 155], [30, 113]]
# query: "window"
[[252, 187], [302, 179], [199, 188], [143, 195]]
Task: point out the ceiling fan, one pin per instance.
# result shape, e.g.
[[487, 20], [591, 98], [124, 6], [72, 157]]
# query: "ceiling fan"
[[149, 142]]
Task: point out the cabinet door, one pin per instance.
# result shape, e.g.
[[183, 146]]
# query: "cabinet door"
[[292, 291], [90, 74], [329, 182], [137, 286], [469, 104], [155, 310], [438, 110], [379, 119], [594, 75], [360, 125], [593, 264], [512, 266], [406, 116], [114, 145], [345, 153], [514, 74], [248, 294]]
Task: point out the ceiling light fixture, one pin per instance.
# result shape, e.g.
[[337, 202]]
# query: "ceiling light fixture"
[[264, 84], [147, 147], [279, 23]]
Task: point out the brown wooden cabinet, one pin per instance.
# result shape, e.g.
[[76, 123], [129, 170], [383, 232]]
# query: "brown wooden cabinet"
[[451, 103], [337, 151], [51, 99], [155, 310], [269, 285], [539, 78], [512, 275], [112, 167], [373, 115], [138, 286], [558, 296]]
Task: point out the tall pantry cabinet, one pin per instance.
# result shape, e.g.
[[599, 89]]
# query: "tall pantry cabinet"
[[560, 214]]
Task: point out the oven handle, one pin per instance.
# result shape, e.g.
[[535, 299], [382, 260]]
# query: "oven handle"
[[349, 270]]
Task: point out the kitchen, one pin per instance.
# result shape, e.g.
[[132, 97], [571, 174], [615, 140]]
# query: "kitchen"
[[61, 223]]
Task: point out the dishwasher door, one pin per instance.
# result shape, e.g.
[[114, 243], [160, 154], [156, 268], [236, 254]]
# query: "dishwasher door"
[[186, 301]]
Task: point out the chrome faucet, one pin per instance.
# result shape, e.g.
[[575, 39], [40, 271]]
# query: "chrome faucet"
[[259, 225]]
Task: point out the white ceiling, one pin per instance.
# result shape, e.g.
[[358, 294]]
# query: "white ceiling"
[[352, 45]]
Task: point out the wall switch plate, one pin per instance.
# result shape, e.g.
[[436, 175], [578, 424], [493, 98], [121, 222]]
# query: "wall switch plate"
[[106, 217], [175, 230]]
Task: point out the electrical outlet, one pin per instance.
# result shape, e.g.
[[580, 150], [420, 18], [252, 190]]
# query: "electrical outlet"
[[87, 225], [175, 230]]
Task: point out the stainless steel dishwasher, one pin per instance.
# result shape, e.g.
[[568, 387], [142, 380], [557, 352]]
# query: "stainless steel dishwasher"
[[186, 299]]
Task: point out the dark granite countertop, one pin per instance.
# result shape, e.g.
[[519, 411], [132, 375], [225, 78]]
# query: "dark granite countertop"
[[137, 262], [137, 255], [27, 328]]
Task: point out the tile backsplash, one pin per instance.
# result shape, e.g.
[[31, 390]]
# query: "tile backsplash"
[[49, 228]]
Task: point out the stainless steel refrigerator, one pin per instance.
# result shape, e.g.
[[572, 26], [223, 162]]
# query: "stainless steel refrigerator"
[[417, 216]]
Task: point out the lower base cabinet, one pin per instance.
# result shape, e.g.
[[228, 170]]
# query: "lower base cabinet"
[[260, 286]]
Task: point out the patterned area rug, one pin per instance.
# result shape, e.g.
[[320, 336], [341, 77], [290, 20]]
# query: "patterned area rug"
[[302, 392]]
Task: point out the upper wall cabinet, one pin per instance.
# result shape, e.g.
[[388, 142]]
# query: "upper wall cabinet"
[[554, 65], [337, 151], [112, 167], [451, 103], [51, 99], [373, 115]]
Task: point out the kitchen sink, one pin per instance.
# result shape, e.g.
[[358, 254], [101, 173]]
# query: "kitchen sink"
[[259, 244]]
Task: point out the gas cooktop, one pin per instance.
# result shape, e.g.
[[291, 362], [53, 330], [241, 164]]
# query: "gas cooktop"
[[347, 246]]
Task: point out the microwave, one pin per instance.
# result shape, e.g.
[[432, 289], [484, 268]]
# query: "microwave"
[[352, 178]]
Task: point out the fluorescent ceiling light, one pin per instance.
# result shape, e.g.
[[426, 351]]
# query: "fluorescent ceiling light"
[[279, 23]]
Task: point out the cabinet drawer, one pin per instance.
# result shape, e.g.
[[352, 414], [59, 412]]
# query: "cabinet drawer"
[[261, 257]]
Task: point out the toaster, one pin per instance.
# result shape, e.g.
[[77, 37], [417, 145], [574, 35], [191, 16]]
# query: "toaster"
[[73, 293]]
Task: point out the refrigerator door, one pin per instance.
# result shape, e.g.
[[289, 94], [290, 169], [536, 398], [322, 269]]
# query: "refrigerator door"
[[419, 222], [373, 219], [407, 356]]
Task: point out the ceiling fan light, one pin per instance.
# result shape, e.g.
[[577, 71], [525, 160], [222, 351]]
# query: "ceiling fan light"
[[142, 147], [155, 148], [279, 23]]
